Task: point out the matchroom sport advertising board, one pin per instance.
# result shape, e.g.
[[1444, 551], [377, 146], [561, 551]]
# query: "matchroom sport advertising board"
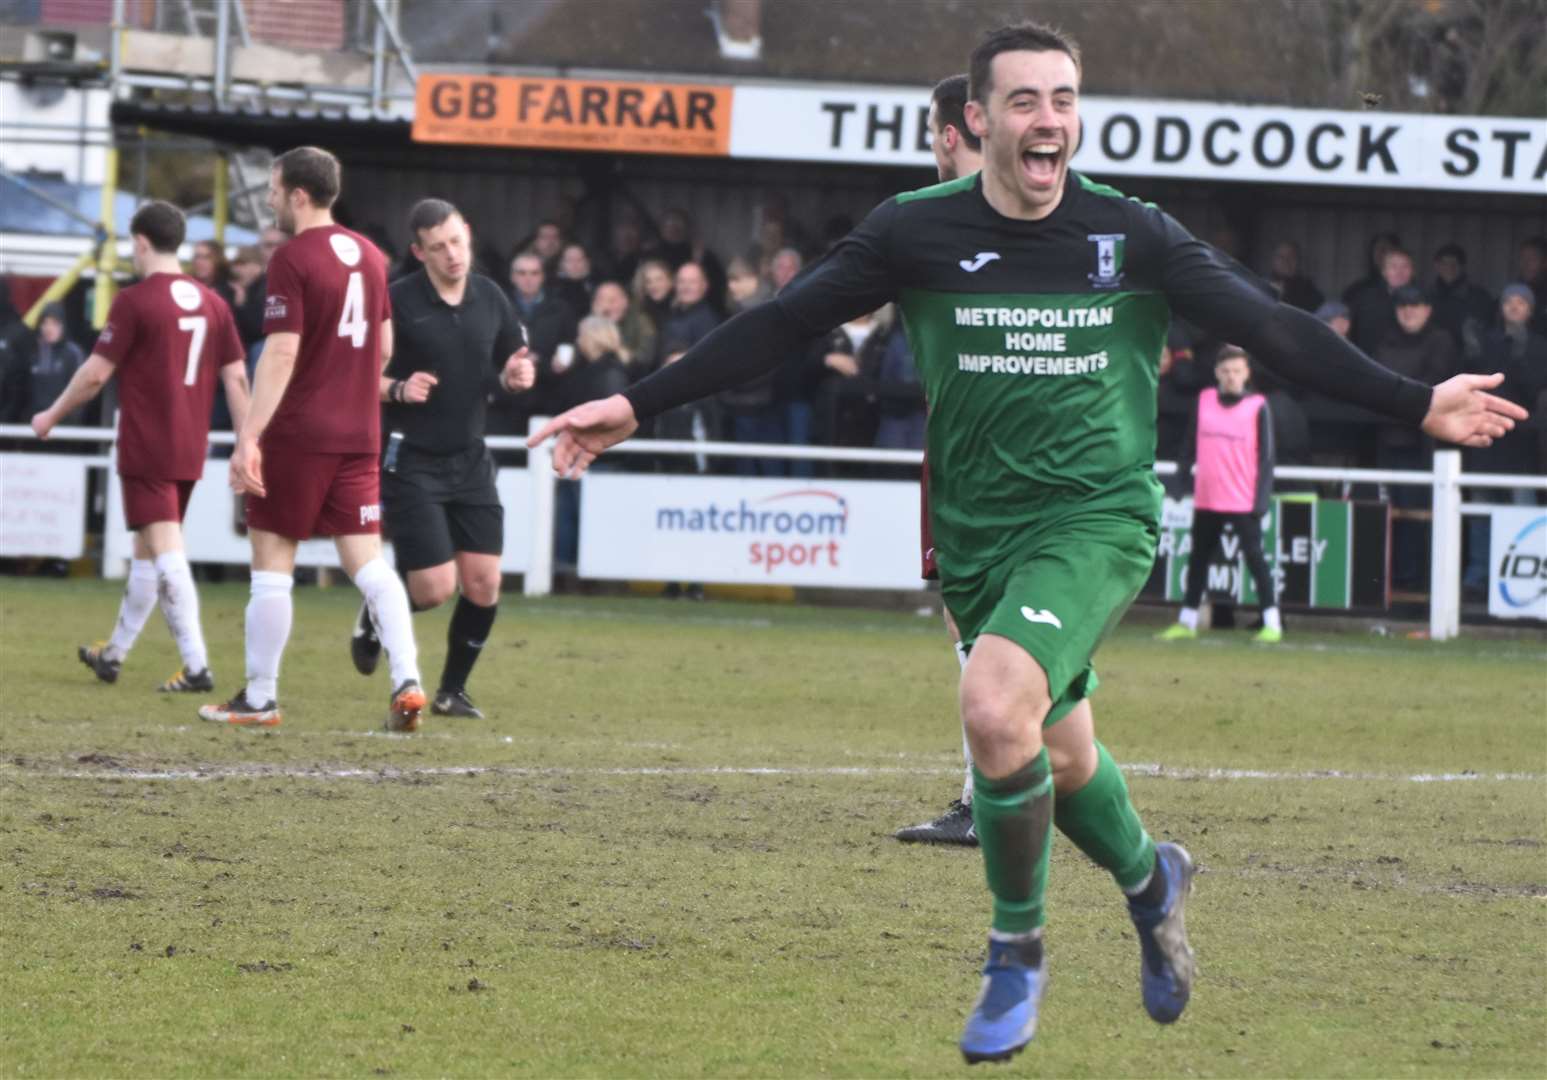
[[733, 531]]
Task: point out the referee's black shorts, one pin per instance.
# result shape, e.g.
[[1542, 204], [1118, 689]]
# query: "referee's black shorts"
[[437, 505]]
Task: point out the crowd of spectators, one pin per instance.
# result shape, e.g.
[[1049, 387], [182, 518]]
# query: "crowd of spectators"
[[662, 291]]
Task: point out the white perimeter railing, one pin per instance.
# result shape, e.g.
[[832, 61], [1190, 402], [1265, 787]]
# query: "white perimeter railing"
[[1446, 482]]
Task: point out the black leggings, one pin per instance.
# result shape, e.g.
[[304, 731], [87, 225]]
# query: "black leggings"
[[1207, 528]]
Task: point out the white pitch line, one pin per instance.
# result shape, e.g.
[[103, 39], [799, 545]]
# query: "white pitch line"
[[1161, 772]]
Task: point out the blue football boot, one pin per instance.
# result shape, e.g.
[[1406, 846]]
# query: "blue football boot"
[[1166, 972], [1005, 1016]]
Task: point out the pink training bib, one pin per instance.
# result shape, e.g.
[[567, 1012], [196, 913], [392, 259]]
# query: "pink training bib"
[[1226, 478]]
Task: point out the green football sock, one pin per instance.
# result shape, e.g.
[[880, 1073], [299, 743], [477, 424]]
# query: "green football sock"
[[1014, 820], [1102, 822]]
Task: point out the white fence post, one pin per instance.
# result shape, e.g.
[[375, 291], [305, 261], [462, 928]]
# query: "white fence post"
[[1445, 550], [539, 463]]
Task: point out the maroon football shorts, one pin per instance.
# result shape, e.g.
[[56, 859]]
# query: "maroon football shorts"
[[147, 501], [316, 494]]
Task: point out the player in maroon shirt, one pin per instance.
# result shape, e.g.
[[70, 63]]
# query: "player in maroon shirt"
[[307, 456], [165, 338]]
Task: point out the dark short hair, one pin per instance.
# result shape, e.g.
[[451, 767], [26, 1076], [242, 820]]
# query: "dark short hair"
[[161, 224], [1231, 352], [1021, 37], [950, 98], [1402, 251], [1537, 242], [1452, 250], [312, 170], [429, 214]]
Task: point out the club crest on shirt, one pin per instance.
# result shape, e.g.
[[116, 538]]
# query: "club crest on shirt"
[[1109, 260], [345, 248], [185, 294]]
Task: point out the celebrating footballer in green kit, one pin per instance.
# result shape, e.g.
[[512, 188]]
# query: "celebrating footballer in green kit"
[[1037, 302]]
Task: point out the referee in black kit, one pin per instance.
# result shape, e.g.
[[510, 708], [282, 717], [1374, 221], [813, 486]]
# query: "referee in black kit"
[[456, 342]]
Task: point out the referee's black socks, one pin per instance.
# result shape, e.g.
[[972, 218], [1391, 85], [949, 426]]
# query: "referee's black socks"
[[465, 638]]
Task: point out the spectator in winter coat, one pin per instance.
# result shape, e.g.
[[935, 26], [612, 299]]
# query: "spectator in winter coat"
[[1424, 351], [1373, 312], [691, 316], [635, 329], [53, 362], [1460, 306]]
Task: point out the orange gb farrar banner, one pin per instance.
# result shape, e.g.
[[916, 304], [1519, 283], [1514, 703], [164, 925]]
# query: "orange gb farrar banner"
[[573, 114]]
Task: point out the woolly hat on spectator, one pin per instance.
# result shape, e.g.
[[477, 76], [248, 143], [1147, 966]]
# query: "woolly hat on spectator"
[[1409, 296], [1332, 310], [1520, 289]]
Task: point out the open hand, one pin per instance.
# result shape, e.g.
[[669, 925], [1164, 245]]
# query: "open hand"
[[585, 431], [1462, 412]]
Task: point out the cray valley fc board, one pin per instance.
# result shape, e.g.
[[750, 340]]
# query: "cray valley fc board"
[[1328, 554]]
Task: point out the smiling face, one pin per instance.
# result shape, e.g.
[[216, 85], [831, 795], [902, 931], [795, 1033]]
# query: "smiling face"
[[1029, 121]]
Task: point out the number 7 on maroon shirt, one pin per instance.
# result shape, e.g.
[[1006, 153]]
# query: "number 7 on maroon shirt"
[[166, 338]]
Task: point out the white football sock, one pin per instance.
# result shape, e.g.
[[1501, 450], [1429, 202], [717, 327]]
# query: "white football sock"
[[961, 658], [180, 605], [385, 596], [139, 599], [268, 628], [1188, 617], [1271, 620]]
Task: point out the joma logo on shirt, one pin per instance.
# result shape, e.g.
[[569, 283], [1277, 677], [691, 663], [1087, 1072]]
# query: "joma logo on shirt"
[[274, 308], [370, 513]]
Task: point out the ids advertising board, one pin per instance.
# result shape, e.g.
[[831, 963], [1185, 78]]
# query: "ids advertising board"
[[854, 534], [1517, 563]]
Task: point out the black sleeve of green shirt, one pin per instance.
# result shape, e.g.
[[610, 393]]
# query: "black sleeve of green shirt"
[[1265, 457], [853, 279], [1203, 289]]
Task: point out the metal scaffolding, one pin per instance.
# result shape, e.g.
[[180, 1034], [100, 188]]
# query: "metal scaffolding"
[[197, 55]]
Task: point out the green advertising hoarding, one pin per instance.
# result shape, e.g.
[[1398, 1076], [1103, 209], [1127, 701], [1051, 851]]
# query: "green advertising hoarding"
[[1324, 553]]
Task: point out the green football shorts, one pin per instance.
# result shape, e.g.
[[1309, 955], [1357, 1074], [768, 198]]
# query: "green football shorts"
[[1060, 596]]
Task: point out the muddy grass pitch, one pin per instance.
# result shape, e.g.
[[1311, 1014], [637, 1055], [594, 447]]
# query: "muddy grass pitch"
[[667, 852]]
